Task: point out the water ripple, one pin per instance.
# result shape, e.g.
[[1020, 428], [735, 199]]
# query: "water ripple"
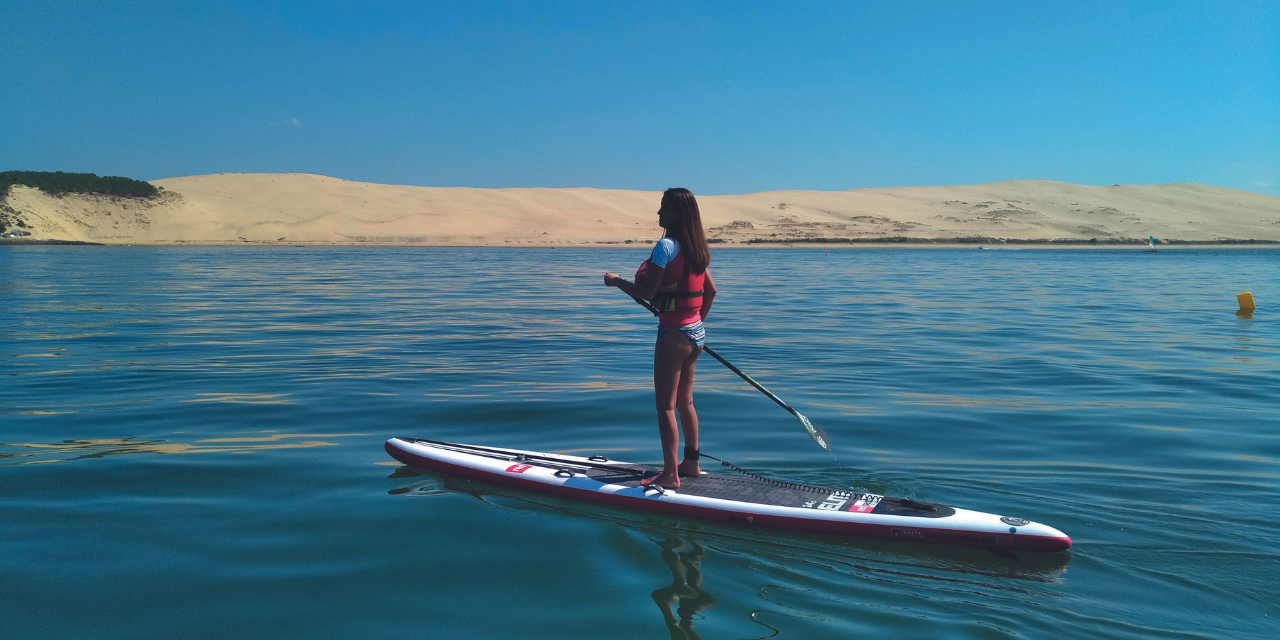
[[1112, 394]]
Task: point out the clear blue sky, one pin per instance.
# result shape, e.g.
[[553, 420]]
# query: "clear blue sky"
[[726, 97]]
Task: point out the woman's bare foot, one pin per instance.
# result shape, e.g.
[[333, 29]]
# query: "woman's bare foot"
[[689, 469], [666, 480]]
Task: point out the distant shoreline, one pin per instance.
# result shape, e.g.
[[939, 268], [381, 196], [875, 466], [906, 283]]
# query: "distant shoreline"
[[289, 209], [43, 241]]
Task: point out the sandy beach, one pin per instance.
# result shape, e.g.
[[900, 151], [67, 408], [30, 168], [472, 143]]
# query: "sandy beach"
[[295, 208]]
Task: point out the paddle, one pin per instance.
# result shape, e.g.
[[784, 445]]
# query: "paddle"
[[819, 436]]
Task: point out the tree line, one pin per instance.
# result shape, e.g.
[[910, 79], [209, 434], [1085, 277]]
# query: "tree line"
[[58, 182]]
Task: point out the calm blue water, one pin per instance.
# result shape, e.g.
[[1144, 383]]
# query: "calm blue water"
[[192, 443]]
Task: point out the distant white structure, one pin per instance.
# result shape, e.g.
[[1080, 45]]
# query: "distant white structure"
[[16, 233]]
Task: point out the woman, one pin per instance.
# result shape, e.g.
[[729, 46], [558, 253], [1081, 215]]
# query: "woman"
[[676, 280]]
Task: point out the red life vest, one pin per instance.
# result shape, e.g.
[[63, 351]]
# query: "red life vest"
[[679, 299]]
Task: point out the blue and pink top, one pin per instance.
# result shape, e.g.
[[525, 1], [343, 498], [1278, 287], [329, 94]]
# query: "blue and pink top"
[[679, 299]]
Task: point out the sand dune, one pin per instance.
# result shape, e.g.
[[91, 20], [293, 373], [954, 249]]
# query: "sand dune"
[[304, 208]]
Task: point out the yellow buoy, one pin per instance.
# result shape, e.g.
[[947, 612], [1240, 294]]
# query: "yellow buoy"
[[1246, 301]]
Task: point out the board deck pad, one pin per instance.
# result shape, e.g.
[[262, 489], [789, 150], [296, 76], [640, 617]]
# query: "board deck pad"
[[756, 491]]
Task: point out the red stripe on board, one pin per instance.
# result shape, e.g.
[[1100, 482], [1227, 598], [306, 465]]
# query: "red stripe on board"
[[957, 537]]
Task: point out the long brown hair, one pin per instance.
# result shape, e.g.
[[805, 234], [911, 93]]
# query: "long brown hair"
[[686, 228]]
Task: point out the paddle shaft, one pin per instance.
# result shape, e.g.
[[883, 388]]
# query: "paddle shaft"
[[746, 377], [728, 364]]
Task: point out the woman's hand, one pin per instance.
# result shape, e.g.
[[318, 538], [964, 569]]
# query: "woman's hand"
[[611, 279]]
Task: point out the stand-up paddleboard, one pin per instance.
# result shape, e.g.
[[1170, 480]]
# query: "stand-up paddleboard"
[[748, 500]]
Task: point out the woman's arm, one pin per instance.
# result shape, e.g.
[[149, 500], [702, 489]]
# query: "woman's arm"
[[644, 290], [708, 295]]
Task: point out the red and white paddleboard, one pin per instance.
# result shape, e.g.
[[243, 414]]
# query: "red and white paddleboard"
[[751, 501]]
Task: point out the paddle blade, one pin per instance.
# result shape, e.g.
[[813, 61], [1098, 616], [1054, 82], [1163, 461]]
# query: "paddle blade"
[[819, 436]]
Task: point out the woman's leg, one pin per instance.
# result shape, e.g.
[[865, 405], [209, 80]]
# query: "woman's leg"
[[667, 366], [688, 417]]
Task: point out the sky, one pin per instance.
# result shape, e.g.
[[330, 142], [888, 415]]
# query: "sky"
[[721, 98]]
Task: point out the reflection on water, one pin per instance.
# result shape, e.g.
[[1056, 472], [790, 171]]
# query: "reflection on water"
[[241, 398], [685, 591], [783, 560], [1026, 383], [418, 489], [69, 450], [284, 436]]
